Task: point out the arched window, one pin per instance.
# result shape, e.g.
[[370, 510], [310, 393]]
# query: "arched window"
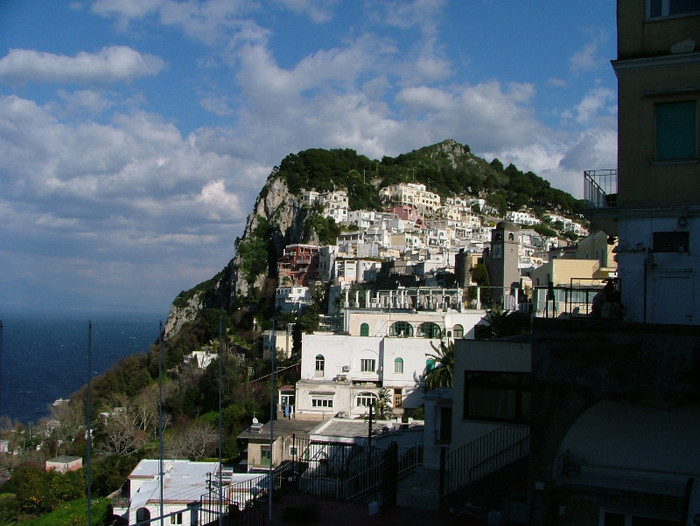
[[402, 329], [142, 515], [429, 364], [398, 366], [365, 399], [458, 331], [364, 329], [429, 329], [320, 365]]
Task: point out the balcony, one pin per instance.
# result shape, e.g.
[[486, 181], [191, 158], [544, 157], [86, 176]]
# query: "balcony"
[[600, 199], [599, 188], [576, 300]]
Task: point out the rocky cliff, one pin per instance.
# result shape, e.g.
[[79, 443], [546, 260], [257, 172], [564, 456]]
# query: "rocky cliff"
[[282, 217]]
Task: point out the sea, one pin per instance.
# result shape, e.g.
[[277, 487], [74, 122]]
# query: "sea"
[[44, 357]]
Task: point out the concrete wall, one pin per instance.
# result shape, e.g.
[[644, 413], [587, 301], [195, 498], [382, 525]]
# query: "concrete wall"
[[579, 363]]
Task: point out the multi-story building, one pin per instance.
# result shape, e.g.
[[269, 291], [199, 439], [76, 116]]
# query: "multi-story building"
[[655, 209], [615, 411], [386, 344], [413, 194], [298, 264]]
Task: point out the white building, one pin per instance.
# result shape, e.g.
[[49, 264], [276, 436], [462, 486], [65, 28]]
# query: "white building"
[[343, 373], [184, 482], [413, 194], [294, 298]]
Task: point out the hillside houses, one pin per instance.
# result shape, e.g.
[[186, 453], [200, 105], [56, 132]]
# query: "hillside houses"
[[417, 237]]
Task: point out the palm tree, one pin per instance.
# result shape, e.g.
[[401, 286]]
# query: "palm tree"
[[508, 323], [442, 372]]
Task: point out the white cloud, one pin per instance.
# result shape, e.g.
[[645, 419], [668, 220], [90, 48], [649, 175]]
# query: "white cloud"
[[110, 64], [596, 102], [588, 58], [319, 11]]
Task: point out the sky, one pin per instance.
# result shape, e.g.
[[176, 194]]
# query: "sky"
[[135, 135]]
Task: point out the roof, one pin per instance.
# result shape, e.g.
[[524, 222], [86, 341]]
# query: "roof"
[[282, 427], [64, 459], [184, 481]]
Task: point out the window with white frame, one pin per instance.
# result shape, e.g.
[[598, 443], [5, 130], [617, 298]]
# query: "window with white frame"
[[368, 365], [676, 136], [322, 401], [398, 366], [176, 518], [664, 8], [365, 400]]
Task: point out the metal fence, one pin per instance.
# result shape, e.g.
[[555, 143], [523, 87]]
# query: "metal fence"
[[483, 456], [357, 473]]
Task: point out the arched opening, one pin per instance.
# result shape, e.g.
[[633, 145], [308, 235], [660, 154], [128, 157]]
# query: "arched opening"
[[320, 365], [364, 329], [429, 329], [143, 514], [398, 366], [401, 329], [458, 331]]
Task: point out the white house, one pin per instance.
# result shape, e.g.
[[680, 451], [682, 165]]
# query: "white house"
[[184, 482], [390, 349]]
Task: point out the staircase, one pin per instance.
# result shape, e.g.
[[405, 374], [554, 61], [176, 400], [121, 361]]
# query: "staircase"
[[483, 456]]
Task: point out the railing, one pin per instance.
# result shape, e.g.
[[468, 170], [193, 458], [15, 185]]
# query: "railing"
[[486, 454], [599, 188], [572, 301], [351, 472]]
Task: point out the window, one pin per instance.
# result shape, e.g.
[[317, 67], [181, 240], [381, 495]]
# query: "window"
[[675, 130], [671, 242], [626, 519], [429, 330], [176, 518], [364, 329], [497, 396], [458, 331], [322, 401], [398, 397], [320, 364], [661, 8], [265, 455], [398, 366], [365, 399], [368, 365], [402, 329]]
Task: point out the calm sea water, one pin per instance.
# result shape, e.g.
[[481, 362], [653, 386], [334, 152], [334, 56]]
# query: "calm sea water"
[[45, 357]]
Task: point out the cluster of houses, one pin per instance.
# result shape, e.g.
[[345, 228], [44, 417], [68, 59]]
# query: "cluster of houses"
[[419, 237], [593, 417]]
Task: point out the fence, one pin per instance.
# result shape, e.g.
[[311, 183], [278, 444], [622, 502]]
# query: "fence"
[[573, 301], [356, 473], [486, 454]]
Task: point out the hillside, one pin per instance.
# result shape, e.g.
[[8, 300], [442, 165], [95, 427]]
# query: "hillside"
[[281, 217]]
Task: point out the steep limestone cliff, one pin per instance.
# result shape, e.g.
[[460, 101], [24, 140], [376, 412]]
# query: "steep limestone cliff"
[[279, 218]]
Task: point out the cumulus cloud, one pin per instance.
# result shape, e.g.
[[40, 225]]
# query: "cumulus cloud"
[[109, 65]]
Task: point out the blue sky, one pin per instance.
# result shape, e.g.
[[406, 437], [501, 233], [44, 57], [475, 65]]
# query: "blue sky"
[[136, 134]]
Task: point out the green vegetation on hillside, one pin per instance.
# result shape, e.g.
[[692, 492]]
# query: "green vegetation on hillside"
[[447, 169]]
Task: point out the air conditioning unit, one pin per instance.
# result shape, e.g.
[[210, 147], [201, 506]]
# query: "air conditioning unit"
[[346, 368]]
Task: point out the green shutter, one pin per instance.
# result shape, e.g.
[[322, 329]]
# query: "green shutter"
[[675, 130]]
